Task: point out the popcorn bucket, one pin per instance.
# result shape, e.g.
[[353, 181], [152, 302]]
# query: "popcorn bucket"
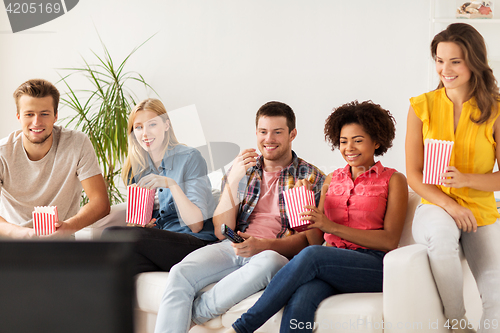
[[44, 219], [437, 154], [140, 202], [295, 200]]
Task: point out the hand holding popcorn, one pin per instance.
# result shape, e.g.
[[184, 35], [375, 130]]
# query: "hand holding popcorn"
[[140, 202], [295, 200], [44, 220]]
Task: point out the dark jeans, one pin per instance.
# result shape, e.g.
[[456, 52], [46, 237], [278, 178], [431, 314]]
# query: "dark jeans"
[[156, 249], [316, 273]]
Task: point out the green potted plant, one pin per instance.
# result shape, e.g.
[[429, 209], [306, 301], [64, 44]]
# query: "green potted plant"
[[102, 112]]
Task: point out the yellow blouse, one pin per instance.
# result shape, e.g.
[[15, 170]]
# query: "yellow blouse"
[[473, 151]]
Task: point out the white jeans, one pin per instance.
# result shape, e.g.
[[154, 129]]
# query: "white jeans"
[[435, 228], [238, 278]]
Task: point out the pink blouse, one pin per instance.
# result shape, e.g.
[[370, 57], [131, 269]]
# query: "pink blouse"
[[357, 204]]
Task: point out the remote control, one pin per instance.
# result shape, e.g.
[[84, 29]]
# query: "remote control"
[[230, 234]]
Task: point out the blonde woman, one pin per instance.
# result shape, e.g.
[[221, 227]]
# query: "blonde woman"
[[182, 218]]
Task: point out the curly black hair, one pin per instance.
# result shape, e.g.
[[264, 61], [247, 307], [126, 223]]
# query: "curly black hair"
[[376, 121]]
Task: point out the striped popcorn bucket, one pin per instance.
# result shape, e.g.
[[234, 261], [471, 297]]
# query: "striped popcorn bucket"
[[44, 219], [295, 200], [437, 155], [140, 202]]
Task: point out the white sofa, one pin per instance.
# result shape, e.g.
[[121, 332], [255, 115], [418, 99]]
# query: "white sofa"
[[409, 303]]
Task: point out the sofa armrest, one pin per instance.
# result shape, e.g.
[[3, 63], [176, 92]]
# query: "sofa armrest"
[[116, 217], [411, 299]]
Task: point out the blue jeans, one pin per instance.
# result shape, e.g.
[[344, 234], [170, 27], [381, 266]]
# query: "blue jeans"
[[238, 278], [316, 273]]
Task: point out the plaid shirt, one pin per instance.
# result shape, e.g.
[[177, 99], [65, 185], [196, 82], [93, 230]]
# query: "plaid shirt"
[[249, 189]]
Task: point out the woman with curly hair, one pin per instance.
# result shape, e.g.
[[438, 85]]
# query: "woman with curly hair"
[[360, 217], [462, 211]]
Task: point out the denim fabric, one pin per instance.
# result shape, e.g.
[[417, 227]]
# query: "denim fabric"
[[239, 278], [314, 274], [187, 167]]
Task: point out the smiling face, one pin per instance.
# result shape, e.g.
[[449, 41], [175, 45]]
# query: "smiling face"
[[357, 148], [37, 119], [150, 130], [274, 141], [452, 69]]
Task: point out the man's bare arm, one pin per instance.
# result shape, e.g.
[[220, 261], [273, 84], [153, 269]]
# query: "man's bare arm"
[[227, 209], [95, 209], [10, 230]]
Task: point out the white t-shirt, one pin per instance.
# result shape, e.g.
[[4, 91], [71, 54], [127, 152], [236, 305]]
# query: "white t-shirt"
[[55, 180]]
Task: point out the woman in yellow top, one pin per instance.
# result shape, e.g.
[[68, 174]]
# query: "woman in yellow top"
[[463, 109]]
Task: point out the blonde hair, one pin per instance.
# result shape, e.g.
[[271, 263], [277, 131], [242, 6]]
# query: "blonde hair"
[[136, 161]]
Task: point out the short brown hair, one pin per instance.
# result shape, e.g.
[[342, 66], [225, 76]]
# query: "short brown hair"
[[277, 109], [37, 88], [377, 122]]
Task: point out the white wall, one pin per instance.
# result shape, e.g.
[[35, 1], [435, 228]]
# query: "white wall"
[[228, 57]]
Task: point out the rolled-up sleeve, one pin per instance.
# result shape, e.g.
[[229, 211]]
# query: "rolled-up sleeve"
[[196, 184]]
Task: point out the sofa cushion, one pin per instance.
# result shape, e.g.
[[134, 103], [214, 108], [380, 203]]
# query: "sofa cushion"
[[150, 287], [358, 312], [406, 236], [272, 325], [339, 313]]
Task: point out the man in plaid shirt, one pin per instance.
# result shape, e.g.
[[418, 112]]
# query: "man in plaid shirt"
[[251, 203]]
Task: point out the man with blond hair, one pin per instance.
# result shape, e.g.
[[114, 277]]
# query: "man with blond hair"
[[47, 165]]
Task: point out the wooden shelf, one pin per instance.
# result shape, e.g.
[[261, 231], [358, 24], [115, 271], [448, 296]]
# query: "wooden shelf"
[[463, 20]]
